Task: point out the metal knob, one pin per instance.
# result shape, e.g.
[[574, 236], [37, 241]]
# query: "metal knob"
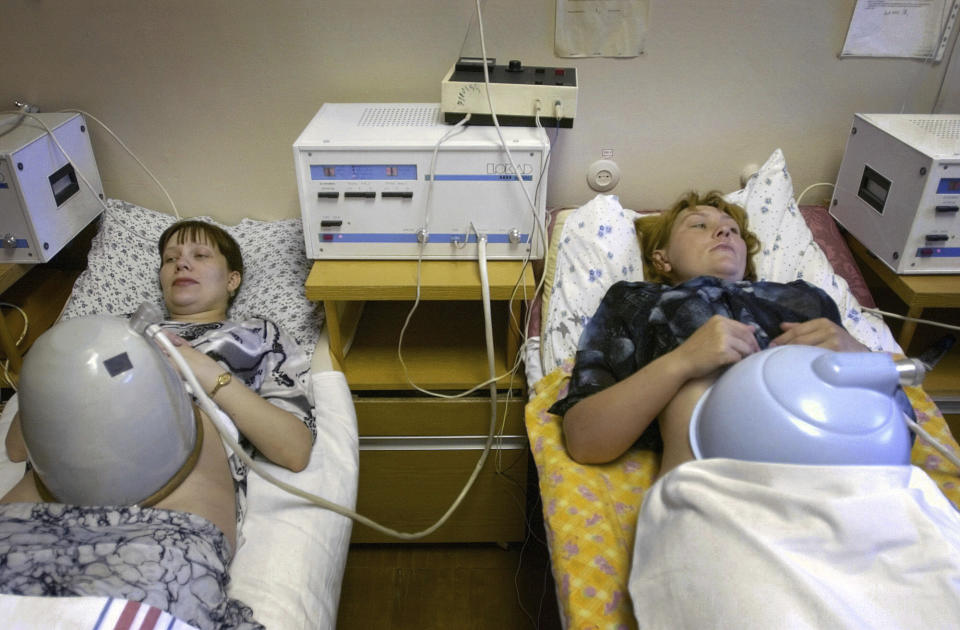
[[422, 235], [9, 241], [514, 236]]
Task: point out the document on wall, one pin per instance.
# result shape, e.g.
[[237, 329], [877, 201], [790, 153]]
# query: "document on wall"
[[601, 28], [900, 28]]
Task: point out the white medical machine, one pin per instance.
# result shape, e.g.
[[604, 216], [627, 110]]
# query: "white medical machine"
[[898, 190], [44, 202], [378, 180]]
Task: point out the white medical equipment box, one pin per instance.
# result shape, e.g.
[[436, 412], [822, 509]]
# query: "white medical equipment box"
[[898, 190], [43, 201], [378, 180]]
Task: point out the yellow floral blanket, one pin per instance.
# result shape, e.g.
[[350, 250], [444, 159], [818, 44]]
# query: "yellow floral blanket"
[[590, 512]]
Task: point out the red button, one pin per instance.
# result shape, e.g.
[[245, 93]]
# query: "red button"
[[559, 72]]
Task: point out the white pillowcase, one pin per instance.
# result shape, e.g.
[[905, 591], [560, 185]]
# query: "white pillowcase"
[[123, 264], [789, 251], [598, 247]]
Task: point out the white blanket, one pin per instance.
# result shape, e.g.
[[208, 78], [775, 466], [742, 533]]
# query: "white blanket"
[[723, 543]]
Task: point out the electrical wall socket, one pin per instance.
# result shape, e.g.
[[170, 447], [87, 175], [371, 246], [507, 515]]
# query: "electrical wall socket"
[[603, 175]]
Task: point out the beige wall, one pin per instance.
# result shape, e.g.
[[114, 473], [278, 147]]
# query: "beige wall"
[[211, 94]]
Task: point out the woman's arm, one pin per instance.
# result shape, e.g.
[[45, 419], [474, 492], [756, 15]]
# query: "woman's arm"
[[278, 434], [604, 425]]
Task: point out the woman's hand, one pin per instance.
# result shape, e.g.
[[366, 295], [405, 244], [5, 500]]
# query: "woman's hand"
[[718, 342], [821, 333], [203, 367]]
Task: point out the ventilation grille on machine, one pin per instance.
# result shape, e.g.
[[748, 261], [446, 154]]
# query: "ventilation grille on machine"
[[942, 128], [400, 116]]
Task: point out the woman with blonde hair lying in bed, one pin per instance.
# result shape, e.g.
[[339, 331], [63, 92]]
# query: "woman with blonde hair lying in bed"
[[257, 375], [653, 348]]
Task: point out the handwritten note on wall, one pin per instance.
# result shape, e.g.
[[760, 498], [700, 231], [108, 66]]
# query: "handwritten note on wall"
[[900, 28]]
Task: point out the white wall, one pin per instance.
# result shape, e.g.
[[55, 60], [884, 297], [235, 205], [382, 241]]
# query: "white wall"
[[211, 94]]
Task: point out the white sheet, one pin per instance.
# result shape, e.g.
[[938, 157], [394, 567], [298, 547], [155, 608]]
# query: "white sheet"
[[290, 567], [723, 543]]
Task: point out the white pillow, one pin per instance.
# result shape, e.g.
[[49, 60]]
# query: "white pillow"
[[597, 247], [123, 263], [590, 261], [789, 251]]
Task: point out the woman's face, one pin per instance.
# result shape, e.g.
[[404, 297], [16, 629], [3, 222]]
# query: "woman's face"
[[704, 241], [195, 279]]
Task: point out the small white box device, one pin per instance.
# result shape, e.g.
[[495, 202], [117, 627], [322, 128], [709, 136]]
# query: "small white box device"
[[43, 202], [898, 190], [369, 186], [515, 90]]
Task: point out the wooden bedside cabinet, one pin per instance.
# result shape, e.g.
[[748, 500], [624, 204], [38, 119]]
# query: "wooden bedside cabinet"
[[935, 297], [416, 450]]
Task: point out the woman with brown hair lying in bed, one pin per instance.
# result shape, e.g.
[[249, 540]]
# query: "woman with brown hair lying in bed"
[[257, 375], [653, 348]]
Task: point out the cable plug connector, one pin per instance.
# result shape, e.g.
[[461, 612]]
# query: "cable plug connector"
[[26, 108]]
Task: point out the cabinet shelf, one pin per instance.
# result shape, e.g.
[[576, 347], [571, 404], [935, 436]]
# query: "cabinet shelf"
[[444, 347]]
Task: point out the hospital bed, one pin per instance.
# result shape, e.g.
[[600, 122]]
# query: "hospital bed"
[[591, 512], [289, 567]]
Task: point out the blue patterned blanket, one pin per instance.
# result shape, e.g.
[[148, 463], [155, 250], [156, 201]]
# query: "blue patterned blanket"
[[174, 561]]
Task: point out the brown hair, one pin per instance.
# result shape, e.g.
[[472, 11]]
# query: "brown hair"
[[199, 231], [653, 231]]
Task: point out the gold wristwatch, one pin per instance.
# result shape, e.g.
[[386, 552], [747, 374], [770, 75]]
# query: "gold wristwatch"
[[222, 381]]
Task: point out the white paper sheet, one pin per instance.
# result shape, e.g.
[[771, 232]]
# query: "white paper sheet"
[[601, 28], [900, 28]]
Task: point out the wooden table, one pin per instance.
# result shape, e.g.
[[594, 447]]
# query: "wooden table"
[[416, 450]]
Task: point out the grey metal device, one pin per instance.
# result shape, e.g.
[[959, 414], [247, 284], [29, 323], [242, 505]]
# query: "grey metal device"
[[898, 190], [44, 202]]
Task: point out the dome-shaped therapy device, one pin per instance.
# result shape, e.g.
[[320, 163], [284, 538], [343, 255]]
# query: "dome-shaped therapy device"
[[804, 405], [105, 417]]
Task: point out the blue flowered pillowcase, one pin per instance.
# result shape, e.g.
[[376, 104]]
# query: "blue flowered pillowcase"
[[595, 247], [790, 252], [123, 263]]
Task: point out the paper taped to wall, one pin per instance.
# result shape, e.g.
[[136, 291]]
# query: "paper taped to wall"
[[600, 28], [900, 28]]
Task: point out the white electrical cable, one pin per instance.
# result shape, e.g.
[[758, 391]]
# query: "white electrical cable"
[[213, 412], [877, 311], [457, 128], [537, 229], [929, 439], [808, 188], [173, 206]]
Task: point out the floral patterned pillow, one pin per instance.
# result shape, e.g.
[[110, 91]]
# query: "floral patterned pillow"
[[790, 252], [595, 246], [123, 264]]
